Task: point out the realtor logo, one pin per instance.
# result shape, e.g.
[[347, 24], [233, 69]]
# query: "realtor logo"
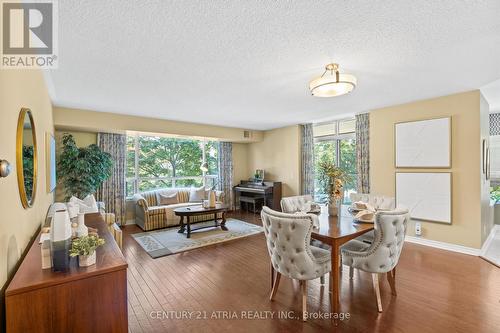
[[29, 37]]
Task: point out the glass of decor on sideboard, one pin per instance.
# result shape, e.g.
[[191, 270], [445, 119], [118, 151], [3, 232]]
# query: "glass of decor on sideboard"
[[84, 247]]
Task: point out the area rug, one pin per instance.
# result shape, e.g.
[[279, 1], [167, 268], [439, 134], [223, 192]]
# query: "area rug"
[[165, 242]]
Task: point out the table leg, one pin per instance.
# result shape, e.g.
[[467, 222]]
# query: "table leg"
[[335, 296], [223, 223], [215, 220], [182, 228], [188, 227]]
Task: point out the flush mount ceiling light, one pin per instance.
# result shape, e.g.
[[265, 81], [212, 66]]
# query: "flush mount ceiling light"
[[332, 83]]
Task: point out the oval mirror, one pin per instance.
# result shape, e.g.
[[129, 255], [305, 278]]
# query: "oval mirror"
[[26, 157]]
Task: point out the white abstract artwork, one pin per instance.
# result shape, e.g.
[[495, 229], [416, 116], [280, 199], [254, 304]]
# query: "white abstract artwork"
[[424, 143], [427, 195]]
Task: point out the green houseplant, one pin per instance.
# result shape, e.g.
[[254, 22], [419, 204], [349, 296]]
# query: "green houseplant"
[[82, 170], [28, 170], [495, 194], [84, 247], [331, 180]]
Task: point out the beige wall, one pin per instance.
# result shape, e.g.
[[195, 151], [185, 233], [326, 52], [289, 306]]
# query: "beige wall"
[[84, 120], [21, 88], [240, 162], [464, 110], [279, 155], [82, 139]]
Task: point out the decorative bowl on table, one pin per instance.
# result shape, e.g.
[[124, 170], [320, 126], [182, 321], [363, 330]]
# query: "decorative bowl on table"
[[315, 209], [364, 216]]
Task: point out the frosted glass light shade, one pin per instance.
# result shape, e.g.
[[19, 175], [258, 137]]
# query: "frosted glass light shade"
[[327, 86]]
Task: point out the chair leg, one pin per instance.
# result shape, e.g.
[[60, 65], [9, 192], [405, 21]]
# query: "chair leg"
[[303, 285], [351, 272], [272, 276], [275, 286], [377, 291], [391, 278], [322, 279]]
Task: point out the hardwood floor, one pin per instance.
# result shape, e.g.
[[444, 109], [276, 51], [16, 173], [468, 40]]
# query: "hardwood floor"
[[438, 291]]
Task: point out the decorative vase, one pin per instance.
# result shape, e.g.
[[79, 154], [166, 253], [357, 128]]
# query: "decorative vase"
[[85, 261], [60, 240], [82, 229], [211, 199], [333, 209]]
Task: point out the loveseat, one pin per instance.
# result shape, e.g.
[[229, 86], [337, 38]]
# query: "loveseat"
[[149, 214]]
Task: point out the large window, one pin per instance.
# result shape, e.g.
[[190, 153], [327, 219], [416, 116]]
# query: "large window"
[[161, 162], [336, 142]]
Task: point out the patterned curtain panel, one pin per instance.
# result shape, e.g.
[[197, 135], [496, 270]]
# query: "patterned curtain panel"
[[112, 191], [226, 171], [307, 162], [363, 152], [494, 123]]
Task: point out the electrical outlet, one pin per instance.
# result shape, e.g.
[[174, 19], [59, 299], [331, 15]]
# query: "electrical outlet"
[[418, 229]]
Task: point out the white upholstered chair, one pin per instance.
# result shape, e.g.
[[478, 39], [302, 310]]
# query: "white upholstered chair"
[[382, 255], [288, 239], [295, 204]]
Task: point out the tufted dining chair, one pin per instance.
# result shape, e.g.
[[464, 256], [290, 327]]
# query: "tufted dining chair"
[[288, 237], [295, 204], [382, 255], [381, 202]]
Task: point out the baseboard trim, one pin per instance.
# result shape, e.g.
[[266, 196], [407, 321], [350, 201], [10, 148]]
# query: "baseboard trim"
[[443, 246], [489, 239], [130, 222]]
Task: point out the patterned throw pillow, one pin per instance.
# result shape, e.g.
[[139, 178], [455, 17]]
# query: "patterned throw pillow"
[[165, 200], [197, 194]]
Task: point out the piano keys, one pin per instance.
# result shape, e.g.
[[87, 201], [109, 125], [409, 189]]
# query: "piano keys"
[[269, 191]]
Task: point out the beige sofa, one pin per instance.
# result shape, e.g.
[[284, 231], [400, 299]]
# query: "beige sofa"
[[149, 215]]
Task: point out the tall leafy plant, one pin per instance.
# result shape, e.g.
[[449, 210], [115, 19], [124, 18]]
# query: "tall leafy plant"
[[82, 170]]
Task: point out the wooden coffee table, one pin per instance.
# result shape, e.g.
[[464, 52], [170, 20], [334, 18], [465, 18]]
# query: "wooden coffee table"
[[188, 212]]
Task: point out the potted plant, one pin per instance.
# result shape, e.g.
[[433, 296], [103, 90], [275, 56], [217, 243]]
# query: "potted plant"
[[84, 247], [495, 198], [331, 180], [82, 170]]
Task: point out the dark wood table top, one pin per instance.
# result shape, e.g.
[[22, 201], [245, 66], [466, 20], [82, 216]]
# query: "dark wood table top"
[[192, 210], [339, 228], [30, 274]]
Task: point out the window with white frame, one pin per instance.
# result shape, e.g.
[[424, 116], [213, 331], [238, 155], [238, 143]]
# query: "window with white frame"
[[335, 141], [162, 162]]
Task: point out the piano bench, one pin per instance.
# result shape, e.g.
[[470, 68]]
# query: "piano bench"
[[252, 200]]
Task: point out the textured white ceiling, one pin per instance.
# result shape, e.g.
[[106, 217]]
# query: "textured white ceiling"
[[491, 92], [248, 63]]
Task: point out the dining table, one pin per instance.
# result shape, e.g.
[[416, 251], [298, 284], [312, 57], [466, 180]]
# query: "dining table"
[[336, 231]]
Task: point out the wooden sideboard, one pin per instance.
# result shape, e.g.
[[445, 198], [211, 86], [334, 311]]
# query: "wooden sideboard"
[[91, 299]]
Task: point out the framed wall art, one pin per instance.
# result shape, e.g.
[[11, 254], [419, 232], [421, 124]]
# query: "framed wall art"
[[423, 143]]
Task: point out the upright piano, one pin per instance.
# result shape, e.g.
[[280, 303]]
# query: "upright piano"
[[269, 191]]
